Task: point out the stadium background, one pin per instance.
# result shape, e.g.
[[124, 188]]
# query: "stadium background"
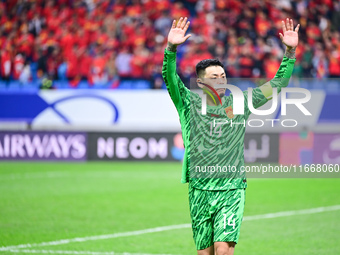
[[90, 143]]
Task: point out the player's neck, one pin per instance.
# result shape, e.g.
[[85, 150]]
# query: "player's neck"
[[210, 102]]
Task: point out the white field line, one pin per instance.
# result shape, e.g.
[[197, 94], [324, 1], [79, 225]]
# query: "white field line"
[[79, 252], [100, 237], [292, 213], [171, 227]]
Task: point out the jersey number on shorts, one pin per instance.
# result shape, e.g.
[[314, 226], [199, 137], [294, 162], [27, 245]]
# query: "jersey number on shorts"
[[231, 222]]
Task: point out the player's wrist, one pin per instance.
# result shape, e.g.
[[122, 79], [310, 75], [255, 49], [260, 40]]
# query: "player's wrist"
[[290, 52], [171, 47]]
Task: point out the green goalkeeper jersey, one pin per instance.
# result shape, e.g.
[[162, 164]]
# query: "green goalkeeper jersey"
[[214, 142]]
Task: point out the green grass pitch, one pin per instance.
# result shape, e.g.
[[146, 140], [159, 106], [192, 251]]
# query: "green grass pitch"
[[45, 202]]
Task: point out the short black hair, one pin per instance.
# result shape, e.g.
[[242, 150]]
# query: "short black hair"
[[202, 65]]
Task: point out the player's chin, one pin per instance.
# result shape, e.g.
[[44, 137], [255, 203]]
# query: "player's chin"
[[220, 92]]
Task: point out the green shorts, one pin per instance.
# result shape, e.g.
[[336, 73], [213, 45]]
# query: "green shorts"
[[216, 216]]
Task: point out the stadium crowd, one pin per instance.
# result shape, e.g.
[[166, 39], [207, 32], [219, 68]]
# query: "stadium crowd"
[[109, 41]]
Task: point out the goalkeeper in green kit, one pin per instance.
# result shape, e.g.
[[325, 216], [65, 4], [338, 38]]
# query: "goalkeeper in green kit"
[[214, 152]]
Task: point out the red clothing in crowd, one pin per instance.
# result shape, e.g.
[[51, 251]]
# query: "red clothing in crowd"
[[43, 36], [65, 13], [262, 26], [270, 67], [48, 10], [155, 7], [118, 10], [313, 34], [53, 22], [178, 11], [189, 62], [134, 10], [138, 63], [66, 43], [246, 66], [334, 66], [25, 44], [97, 68], [100, 38], [137, 39], [33, 11]]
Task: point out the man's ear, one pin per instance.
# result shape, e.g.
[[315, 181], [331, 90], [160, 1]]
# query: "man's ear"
[[199, 80]]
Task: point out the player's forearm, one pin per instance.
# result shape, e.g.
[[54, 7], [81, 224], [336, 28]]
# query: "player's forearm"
[[171, 78], [285, 71], [169, 67]]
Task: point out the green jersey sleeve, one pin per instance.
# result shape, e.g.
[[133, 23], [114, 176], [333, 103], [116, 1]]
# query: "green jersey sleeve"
[[284, 73], [281, 78], [262, 94], [176, 88]]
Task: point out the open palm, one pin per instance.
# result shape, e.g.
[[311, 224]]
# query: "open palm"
[[177, 32], [290, 36]]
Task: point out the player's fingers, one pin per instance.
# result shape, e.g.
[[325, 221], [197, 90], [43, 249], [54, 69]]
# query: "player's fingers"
[[291, 24], [281, 36], [297, 28], [179, 22], [283, 27], [287, 24], [173, 24], [186, 37], [186, 27], [184, 22]]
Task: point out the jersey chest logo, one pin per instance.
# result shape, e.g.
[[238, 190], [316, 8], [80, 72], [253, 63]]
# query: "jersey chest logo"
[[229, 112]]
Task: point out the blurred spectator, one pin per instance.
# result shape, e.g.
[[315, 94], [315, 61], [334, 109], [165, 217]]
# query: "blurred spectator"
[[35, 25], [111, 66], [25, 75], [138, 63], [320, 63], [25, 42], [306, 62], [71, 58], [85, 61], [163, 23], [5, 64], [42, 64], [123, 62], [18, 66], [334, 64], [271, 65], [98, 72]]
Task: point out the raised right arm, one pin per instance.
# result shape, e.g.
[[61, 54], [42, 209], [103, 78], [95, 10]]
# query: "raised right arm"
[[177, 90]]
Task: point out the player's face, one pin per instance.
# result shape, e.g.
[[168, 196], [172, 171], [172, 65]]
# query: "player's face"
[[215, 75]]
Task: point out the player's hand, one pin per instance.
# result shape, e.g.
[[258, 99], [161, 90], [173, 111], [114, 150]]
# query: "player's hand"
[[290, 36], [177, 32]]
